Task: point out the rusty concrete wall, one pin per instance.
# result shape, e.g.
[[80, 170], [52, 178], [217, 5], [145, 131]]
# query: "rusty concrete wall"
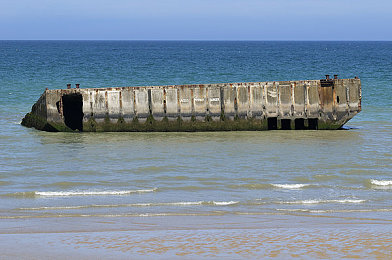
[[332, 103]]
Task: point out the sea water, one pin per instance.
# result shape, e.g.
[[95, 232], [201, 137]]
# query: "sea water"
[[212, 194]]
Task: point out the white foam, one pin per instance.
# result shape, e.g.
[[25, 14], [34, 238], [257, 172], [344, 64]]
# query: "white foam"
[[181, 203], [322, 201], [294, 210], [88, 193], [381, 183], [141, 205], [224, 203], [161, 214], [349, 201], [148, 204], [303, 202], [54, 208], [339, 211], [184, 203], [318, 211], [290, 186]]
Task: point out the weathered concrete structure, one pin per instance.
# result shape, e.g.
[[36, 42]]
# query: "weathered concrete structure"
[[307, 104]]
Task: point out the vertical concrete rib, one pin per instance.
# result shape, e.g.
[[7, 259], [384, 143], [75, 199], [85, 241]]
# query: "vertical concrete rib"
[[222, 101], [149, 101], [192, 102], [134, 104]]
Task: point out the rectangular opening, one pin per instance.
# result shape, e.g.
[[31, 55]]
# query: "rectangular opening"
[[73, 111], [299, 124], [313, 123], [272, 123], [285, 124]]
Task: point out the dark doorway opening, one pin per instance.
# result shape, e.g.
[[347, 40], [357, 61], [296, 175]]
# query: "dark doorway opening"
[[285, 124], [313, 123], [299, 124], [73, 111], [272, 123]]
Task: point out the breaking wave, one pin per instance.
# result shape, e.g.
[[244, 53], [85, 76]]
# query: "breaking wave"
[[334, 210], [322, 201], [113, 215], [224, 203], [76, 193], [381, 182], [155, 204], [290, 186], [87, 193]]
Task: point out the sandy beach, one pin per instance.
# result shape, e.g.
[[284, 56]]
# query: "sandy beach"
[[257, 236]]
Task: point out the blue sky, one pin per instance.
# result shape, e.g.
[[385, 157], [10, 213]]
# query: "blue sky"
[[196, 19]]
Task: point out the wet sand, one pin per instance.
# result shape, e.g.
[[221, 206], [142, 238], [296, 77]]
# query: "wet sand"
[[265, 236]]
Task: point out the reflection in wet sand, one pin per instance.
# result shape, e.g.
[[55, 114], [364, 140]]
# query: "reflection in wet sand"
[[359, 241], [242, 243]]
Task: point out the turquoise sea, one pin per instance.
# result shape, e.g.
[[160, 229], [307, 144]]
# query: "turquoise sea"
[[284, 194]]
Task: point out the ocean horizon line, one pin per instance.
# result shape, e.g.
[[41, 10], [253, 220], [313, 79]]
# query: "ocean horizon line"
[[185, 40]]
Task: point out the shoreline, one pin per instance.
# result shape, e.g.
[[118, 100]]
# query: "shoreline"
[[271, 236], [332, 241]]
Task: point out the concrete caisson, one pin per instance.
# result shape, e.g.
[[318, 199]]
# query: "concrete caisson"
[[281, 105]]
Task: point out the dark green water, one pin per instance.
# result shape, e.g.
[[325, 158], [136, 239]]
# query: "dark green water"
[[54, 177]]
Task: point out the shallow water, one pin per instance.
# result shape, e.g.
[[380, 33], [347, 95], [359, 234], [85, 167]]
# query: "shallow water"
[[113, 182]]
